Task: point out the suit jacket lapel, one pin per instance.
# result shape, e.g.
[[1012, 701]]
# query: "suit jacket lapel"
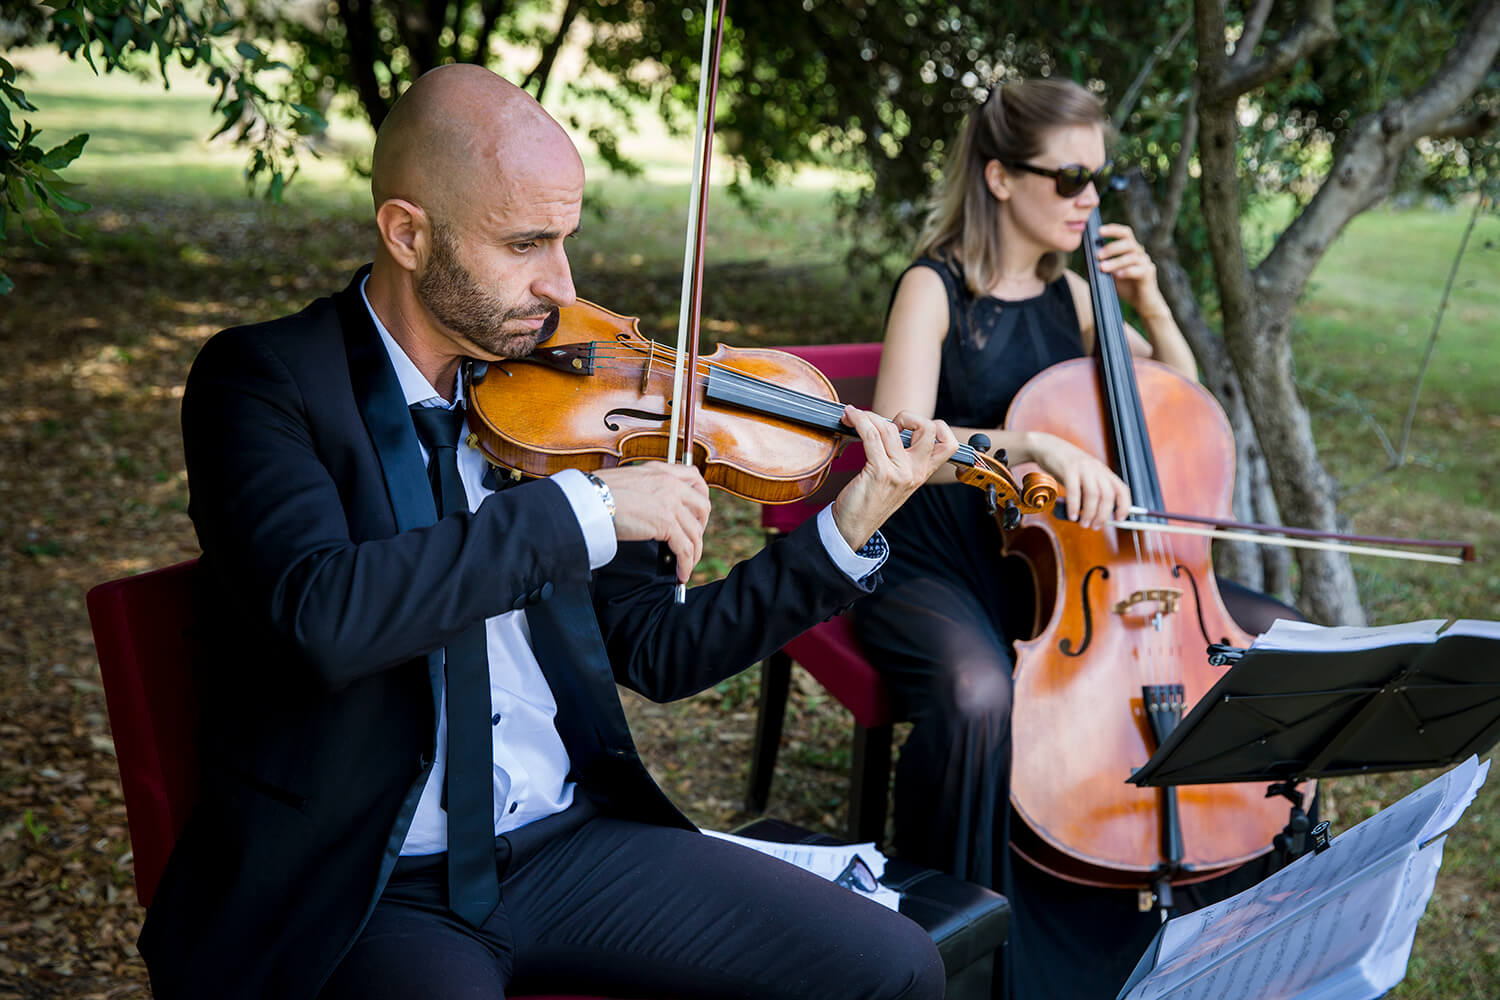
[[382, 406]]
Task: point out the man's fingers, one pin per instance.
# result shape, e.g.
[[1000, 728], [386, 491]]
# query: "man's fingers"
[[881, 438]]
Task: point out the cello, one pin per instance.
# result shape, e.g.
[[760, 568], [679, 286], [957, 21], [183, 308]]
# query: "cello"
[[1122, 625]]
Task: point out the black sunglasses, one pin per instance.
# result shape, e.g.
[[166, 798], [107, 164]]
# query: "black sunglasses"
[[858, 876], [1072, 178]]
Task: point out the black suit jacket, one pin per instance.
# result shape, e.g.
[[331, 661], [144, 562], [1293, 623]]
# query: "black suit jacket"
[[328, 588]]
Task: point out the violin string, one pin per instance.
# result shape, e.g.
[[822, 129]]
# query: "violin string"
[[802, 403], [772, 399]]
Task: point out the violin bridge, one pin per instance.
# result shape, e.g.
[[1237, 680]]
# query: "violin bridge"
[[1167, 600]]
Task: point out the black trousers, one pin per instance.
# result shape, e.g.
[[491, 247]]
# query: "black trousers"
[[595, 904]]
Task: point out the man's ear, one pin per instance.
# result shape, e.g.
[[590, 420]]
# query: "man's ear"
[[997, 180], [405, 231]]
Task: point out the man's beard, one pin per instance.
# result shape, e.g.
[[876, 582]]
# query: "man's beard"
[[452, 295]]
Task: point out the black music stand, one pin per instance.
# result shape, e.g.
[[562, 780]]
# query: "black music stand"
[[1290, 715]]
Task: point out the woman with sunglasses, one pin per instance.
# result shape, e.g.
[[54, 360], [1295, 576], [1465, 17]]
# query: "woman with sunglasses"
[[987, 304]]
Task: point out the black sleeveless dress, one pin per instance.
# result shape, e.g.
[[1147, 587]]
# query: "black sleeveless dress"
[[939, 630]]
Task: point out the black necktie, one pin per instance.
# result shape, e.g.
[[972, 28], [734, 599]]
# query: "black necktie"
[[473, 891]]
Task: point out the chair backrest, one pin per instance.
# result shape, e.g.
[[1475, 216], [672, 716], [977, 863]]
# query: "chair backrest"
[[852, 369], [141, 630]]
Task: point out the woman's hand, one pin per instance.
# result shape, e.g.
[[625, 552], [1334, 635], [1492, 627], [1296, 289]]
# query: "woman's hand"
[[1094, 494], [1124, 259]]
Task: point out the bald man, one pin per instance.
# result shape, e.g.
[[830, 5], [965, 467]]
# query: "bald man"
[[417, 779]]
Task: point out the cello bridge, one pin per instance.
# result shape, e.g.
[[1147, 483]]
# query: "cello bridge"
[[1166, 598]]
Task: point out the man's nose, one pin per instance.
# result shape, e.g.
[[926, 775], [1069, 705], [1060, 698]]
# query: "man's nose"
[[556, 285]]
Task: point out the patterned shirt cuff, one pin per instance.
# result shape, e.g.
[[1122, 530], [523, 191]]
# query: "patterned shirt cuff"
[[855, 565]]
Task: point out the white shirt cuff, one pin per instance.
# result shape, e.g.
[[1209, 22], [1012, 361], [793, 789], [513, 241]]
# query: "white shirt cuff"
[[856, 565], [593, 517]]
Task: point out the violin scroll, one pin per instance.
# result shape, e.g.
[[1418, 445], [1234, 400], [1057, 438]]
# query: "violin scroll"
[[1035, 492]]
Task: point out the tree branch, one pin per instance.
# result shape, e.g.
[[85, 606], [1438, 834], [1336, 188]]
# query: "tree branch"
[[543, 68], [1480, 204], [359, 26], [1255, 26], [1364, 167], [1177, 181], [1127, 103], [489, 16], [1469, 126], [1313, 30]]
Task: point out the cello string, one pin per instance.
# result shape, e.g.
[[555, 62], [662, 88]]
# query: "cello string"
[[1110, 337]]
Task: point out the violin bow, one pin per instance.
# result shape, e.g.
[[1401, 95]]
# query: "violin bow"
[[1296, 538], [680, 430]]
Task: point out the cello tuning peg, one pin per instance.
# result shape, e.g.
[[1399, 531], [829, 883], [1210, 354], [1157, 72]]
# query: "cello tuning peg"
[[1010, 517], [980, 442]]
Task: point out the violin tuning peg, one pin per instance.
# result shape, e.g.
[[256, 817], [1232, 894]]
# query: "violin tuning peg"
[[1010, 517], [979, 442], [1001, 457], [989, 498]]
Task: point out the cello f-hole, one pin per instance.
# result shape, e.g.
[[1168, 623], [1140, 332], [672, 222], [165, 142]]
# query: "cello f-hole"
[[1065, 646], [1181, 570]]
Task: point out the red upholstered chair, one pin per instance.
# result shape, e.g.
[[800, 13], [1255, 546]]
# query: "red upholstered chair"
[[143, 634], [828, 651]]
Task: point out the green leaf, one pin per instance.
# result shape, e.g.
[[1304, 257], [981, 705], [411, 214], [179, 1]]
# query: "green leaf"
[[60, 156], [314, 119], [66, 203], [124, 29], [6, 285], [247, 50]]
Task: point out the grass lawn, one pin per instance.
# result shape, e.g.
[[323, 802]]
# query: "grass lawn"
[[102, 328]]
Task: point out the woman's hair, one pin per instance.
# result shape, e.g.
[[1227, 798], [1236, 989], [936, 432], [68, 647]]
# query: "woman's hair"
[[1010, 126]]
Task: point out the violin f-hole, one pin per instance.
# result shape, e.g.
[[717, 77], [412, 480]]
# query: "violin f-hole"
[[637, 414]]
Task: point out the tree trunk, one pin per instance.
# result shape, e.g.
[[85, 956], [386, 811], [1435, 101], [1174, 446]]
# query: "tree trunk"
[[1239, 561], [1256, 331]]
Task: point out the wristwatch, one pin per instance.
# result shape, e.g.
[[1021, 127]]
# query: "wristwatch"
[[605, 496]]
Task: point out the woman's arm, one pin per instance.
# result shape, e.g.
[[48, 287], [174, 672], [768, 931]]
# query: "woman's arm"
[[908, 379], [1135, 279]]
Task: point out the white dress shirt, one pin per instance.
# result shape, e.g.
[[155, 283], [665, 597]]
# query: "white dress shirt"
[[530, 762]]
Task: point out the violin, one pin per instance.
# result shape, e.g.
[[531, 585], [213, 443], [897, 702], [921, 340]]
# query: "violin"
[[598, 393]]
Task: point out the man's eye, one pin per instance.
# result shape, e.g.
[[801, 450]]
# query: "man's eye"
[[524, 247]]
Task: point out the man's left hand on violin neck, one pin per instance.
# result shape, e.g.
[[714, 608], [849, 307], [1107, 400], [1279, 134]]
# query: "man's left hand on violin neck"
[[892, 471]]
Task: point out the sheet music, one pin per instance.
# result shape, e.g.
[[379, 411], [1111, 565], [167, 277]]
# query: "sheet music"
[[1329, 926], [1473, 626], [1305, 636], [824, 860]]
